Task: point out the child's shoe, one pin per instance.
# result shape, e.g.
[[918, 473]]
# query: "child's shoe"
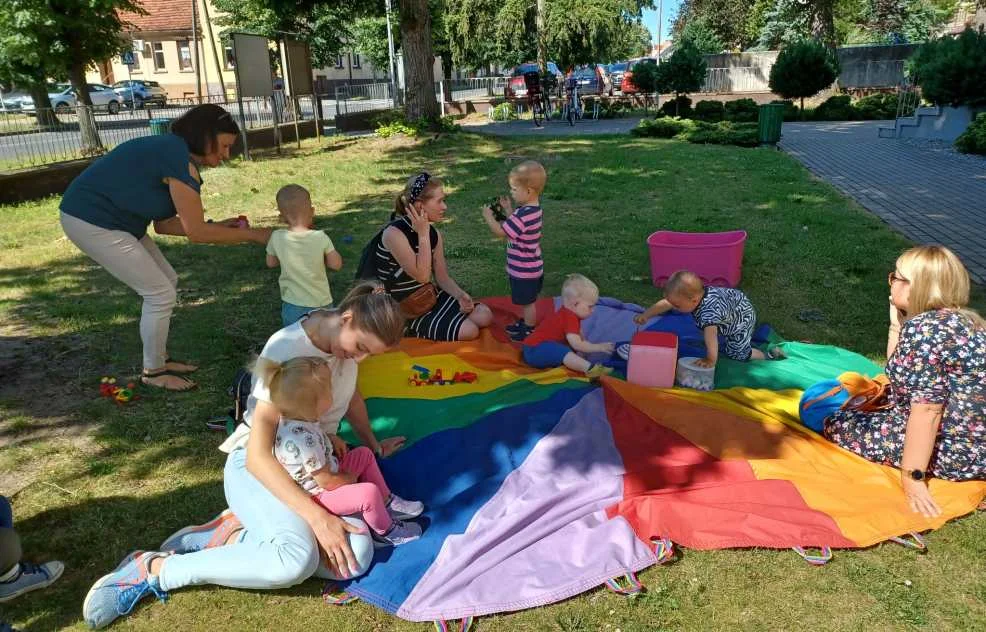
[[597, 371], [116, 594], [400, 509], [28, 577], [399, 533], [519, 330], [203, 536], [623, 351]]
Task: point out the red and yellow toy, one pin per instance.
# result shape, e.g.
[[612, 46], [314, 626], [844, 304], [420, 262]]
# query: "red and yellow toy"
[[423, 376], [119, 394]]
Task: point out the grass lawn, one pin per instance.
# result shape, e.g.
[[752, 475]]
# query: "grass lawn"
[[92, 480]]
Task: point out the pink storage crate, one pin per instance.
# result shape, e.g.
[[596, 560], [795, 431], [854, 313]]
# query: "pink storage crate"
[[716, 257], [653, 358]]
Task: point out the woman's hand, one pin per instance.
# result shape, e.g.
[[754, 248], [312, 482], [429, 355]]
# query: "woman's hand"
[[332, 532], [466, 304], [897, 315], [919, 497], [419, 219], [390, 445], [260, 235], [339, 447]]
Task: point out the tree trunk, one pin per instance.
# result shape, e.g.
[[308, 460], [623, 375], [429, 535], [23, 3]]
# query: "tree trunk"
[[88, 134], [419, 60], [823, 22], [43, 112], [539, 20], [447, 76], [802, 108]]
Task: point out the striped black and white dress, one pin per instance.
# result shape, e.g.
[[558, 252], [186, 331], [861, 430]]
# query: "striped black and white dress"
[[445, 318], [731, 311]]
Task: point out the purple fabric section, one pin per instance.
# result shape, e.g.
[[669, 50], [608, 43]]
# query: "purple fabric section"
[[544, 536]]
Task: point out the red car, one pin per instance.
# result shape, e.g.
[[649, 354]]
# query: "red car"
[[627, 86], [517, 89]]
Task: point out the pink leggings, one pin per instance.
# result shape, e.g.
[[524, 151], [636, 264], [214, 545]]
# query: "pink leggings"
[[367, 497]]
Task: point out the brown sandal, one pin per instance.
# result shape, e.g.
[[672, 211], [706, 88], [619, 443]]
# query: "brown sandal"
[[146, 376], [180, 371]]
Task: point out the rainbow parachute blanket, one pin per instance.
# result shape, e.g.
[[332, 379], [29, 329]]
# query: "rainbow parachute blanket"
[[539, 486]]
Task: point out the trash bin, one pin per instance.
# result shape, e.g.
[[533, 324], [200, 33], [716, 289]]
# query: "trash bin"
[[769, 123], [160, 126]]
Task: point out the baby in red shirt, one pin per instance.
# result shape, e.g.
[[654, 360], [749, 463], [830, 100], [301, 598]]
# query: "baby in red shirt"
[[558, 339]]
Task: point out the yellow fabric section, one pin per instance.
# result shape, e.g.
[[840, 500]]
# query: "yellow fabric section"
[[387, 376], [865, 499]]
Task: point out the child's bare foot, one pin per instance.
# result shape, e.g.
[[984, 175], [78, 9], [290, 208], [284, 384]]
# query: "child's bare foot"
[[776, 353], [163, 378], [177, 366]]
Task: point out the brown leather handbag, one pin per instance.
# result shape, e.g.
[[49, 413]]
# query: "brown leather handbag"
[[419, 302]]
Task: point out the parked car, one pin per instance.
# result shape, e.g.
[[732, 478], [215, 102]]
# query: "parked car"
[[61, 95], [590, 80], [137, 93], [13, 101], [103, 96], [616, 71], [627, 86], [516, 88]]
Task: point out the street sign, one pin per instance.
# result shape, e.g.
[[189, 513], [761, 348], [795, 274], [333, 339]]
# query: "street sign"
[[127, 58]]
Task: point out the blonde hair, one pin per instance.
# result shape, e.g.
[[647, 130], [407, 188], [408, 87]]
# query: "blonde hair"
[[938, 280], [530, 174], [294, 202], [403, 199], [684, 283], [295, 385], [374, 311], [577, 286]]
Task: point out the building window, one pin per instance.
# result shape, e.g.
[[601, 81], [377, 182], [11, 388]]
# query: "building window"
[[157, 48], [184, 55], [338, 61], [356, 62], [230, 58]]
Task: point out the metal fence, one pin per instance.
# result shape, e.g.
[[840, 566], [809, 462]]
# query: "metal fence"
[[861, 74], [475, 88], [34, 138], [350, 99], [737, 79]]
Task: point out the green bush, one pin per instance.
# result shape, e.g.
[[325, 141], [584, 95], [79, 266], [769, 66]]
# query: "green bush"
[[742, 111], [683, 72], [952, 71], [645, 76], [835, 108], [613, 109], [662, 127], [503, 112], [875, 107], [791, 111], [711, 111], [390, 124], [723, 133], [973, 139], [679, 106], [803, 69]]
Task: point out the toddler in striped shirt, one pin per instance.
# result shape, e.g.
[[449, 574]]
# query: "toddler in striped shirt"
[[525, 268]]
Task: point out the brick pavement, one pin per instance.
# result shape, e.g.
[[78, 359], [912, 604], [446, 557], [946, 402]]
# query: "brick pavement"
[[927, 194]]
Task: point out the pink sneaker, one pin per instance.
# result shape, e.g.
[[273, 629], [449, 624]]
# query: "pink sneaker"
[[203, 536]]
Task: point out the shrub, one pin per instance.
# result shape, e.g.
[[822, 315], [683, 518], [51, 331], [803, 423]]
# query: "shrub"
[[742, 111], [791, 111], [682, 73], [802, 70], [645, 77], [973, 139], [835, 108], [390, 124], [503, 112], [879, 106], [952, 71], [711, 111], [678, 106], [663, 127], [724, 133]]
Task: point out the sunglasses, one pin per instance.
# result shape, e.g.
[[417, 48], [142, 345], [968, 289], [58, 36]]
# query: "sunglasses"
[[893, 277]]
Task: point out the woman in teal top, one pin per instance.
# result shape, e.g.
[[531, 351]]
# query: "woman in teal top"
[[155, 179]]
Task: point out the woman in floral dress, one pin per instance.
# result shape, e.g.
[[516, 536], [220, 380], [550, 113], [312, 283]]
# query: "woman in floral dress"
[[936, 365]]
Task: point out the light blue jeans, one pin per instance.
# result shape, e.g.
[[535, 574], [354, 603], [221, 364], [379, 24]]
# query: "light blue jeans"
[[290, 313], [277, 549]]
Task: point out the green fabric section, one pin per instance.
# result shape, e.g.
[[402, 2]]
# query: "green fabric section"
[[417, 418], [805, 365]]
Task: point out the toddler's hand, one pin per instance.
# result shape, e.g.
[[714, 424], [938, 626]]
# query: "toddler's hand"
[[640, 319], [349, 477], [705, 363], [487, 213], [607, 347], [506, 204], [339, 447]]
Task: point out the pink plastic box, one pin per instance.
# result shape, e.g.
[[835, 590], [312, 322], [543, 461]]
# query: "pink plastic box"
[[653, 358], [716, 257]]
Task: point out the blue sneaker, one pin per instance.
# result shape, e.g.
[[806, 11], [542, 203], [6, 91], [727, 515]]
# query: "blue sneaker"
[[30, 577], [204, 536], [116, 594]]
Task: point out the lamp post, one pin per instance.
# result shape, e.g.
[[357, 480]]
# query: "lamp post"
[[660, 18], [390, 55]]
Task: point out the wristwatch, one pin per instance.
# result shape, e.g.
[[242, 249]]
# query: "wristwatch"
[[918, 475]]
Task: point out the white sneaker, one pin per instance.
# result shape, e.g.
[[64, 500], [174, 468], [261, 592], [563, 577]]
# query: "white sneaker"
[[400, 509], [400, 533]]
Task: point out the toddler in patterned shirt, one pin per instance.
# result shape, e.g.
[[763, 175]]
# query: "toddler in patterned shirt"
[[716, 310], [343, 480]]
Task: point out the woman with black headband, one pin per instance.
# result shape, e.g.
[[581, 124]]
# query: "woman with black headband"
[[410, 253], [155, 179]]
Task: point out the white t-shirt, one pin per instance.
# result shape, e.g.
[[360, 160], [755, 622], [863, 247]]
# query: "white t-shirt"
[[293, 342], [302, 448]]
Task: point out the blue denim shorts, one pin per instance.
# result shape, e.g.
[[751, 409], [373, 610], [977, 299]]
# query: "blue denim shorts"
[[291, 313], [546, 355], [525, 291]]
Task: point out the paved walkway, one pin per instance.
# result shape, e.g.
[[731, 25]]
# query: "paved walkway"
[[928, 193], [526, 127]]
